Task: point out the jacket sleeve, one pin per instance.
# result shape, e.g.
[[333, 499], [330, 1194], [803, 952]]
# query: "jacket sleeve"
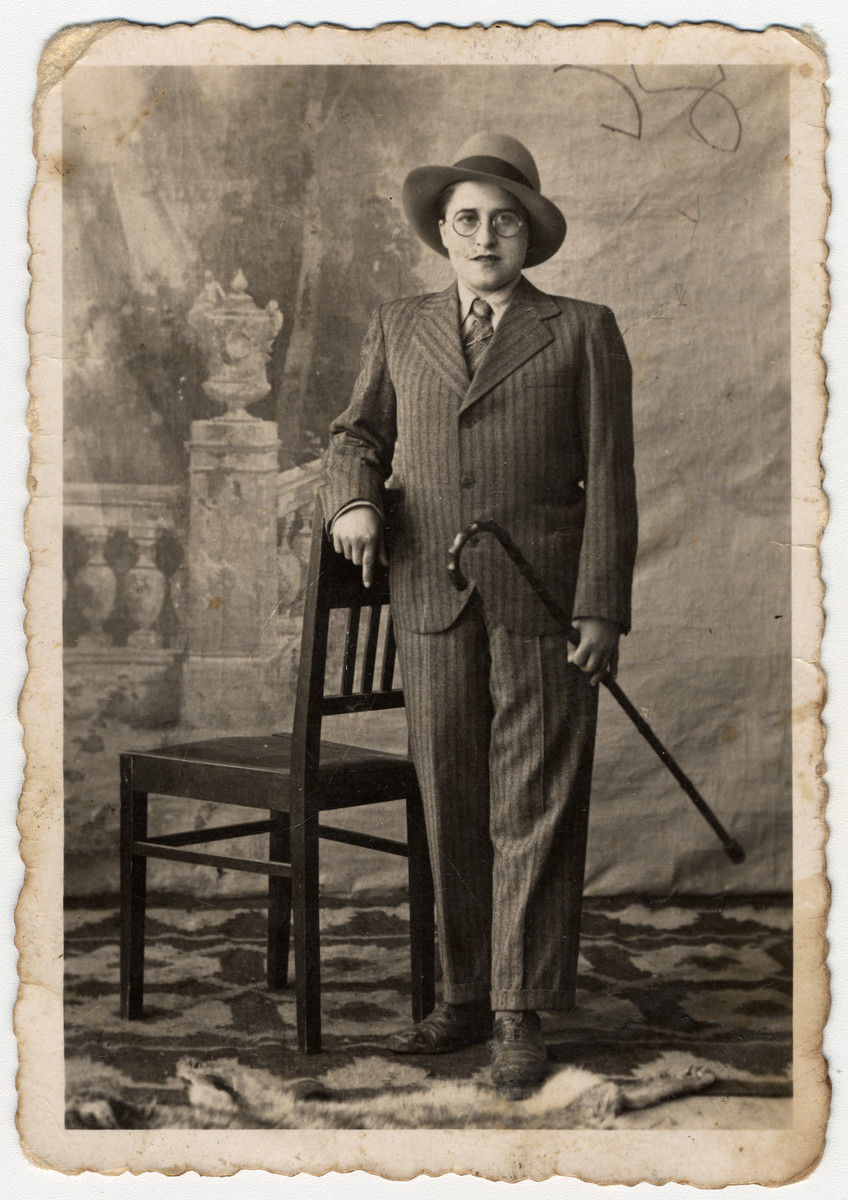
[[358, 460], [608, 550]]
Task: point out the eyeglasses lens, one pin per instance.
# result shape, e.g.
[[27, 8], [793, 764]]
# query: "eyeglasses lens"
[[505, 224]]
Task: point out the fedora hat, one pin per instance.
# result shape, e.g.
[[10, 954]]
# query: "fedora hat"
[[486, 158]]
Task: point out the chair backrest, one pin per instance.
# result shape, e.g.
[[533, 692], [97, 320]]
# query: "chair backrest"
[[348, 651]]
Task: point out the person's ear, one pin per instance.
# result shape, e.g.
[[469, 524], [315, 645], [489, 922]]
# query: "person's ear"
[[442, 228]]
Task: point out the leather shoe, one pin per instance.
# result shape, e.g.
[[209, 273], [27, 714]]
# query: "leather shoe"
[[448, 1027], [518, 1052]]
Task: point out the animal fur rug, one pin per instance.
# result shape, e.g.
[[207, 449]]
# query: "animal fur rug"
[[227, 1095]]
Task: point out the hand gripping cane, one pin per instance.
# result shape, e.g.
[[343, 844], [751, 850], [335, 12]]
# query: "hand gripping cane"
[[732, 848]]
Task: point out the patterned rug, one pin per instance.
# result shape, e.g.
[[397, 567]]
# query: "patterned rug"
[[672, 999]]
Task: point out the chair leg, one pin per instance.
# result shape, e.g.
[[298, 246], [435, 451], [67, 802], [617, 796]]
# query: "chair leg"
[[133, 894], [279, 905], [307, 932], [421, 920]]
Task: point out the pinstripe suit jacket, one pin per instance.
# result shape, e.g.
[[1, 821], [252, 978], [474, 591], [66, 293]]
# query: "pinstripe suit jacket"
[[540, 440]]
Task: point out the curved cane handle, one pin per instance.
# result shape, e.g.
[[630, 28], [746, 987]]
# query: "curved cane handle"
[[541, 589], [454, 569]]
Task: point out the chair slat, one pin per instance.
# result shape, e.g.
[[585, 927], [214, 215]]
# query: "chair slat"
[[337, 706], [214, 833], [369, 841], [258, 866], [389, 652], [370, 656], [349, 659]]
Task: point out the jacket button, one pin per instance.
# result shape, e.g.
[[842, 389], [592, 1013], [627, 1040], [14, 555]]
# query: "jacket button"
[[467, 481]]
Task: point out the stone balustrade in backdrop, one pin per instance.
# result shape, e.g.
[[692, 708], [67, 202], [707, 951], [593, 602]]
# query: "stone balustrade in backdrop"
[[127, 551]]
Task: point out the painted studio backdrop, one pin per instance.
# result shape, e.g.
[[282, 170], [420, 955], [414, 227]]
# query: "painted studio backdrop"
[[281, 186]]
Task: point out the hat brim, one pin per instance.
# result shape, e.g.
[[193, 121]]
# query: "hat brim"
[[423, 186]]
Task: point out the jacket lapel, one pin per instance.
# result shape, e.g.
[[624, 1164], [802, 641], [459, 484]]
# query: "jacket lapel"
[[436, 333], [522, 332]]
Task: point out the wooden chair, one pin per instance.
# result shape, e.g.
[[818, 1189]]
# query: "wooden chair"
[[294, 778]]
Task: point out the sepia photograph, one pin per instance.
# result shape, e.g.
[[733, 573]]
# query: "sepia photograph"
[[428, 713]]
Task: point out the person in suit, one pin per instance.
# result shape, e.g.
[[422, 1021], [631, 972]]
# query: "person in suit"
[[492, 400]]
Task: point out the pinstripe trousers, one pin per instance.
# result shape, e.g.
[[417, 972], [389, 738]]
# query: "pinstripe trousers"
[[502, 733]]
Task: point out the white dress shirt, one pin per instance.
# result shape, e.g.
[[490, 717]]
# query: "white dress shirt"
[[498, 301]]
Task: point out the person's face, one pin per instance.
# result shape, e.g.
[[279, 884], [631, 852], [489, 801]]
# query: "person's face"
[[485, 262]]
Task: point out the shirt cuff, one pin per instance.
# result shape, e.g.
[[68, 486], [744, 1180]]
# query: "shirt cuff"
[[588, 616], [347, 507]]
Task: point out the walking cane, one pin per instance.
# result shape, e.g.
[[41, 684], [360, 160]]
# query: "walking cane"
[[732, 848]]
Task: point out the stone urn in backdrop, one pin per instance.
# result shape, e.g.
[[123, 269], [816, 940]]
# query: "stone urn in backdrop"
[[233, 639], [235, 337]]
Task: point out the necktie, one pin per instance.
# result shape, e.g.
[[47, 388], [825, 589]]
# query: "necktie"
[[476, 333]]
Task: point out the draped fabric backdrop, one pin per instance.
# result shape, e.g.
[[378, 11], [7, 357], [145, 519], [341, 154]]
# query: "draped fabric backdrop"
[[674, 182]]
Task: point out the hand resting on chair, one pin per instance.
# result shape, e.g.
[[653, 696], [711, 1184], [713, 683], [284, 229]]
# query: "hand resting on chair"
[[358, 535]]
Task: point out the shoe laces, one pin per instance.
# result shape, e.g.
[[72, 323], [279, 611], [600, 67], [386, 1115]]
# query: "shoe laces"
[[509, 1027]]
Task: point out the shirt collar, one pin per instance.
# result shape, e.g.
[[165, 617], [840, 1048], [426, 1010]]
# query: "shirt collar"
[[498, 300]]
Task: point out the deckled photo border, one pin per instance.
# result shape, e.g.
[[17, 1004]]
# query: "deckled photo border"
[[702, 1158]]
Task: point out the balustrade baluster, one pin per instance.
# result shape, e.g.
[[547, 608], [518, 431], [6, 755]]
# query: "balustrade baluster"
[[178, 593], [95, 587], [145, 588]]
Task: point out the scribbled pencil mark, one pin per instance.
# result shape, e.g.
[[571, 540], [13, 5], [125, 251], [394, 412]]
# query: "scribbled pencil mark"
[[680, 284], [692, 118], [656, 312], [695, 121], [661, 310], [637, 136]]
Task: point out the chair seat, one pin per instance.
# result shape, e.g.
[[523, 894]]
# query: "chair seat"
[[255, 771]]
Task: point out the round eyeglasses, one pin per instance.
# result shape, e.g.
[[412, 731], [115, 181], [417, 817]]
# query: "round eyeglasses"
[[505, 224]]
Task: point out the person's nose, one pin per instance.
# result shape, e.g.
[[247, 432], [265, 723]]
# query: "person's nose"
[[485, 237]]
